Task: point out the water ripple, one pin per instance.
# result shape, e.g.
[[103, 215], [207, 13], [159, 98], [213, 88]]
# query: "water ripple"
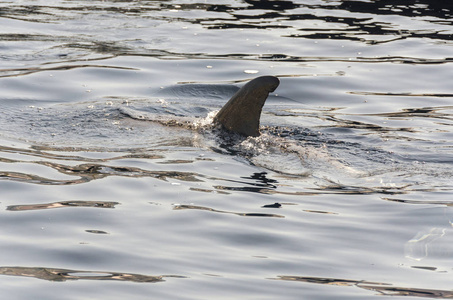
[[53, 274], [60, 204], [384, 289]]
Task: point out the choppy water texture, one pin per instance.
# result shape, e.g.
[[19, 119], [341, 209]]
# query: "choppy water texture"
[[114, 183]]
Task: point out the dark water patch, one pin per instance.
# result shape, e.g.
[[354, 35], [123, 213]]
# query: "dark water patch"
[[384, 289], [181, 206], [90, 172], [329, 281], [409, 201], [259, 182], [61, 275], [265, 191], [324, 186], [344, 123], [176, 161], [275, 205], [286, 15], [280, 57], [8, 37], [95, 171], [31, 13], [301, 59], [320, 212], [58, 13], [359, 33], [35, 179], [95, 231], [407, 94], [441, 112], [60, 204], [32, 70], [410, 8], [261, 177]]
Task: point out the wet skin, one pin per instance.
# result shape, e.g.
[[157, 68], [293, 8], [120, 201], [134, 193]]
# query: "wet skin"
[[242, 112]]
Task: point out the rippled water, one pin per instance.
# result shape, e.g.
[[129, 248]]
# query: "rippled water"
[[113, 183]]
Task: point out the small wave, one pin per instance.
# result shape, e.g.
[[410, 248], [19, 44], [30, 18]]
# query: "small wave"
[[53, 274]]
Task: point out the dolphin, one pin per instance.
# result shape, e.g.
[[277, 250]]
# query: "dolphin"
[[241, 114]]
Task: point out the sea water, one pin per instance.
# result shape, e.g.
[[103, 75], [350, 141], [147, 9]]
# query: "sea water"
[[346, 194]]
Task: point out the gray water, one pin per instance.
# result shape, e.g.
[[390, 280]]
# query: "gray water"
[[346, 194]]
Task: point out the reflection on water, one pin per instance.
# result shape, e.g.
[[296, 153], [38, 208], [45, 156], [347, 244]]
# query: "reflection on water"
[[382, 288], [179, 206], [275, 205], [85, 172], [46, 152], [324, 187], [96, 204], [446, 203], [32, 70], [434, 243], [355, 21], [96, 231], [89, 172], [52, 274], [286, 14]]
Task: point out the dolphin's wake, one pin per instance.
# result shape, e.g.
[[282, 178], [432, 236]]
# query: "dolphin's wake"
[[130, 124]]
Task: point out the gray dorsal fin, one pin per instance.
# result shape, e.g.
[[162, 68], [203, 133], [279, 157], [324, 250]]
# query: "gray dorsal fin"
[[242, 112]]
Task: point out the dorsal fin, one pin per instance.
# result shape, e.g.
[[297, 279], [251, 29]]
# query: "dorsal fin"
[[241, 114]]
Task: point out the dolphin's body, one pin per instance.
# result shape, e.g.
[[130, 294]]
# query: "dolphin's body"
[[242, 113]]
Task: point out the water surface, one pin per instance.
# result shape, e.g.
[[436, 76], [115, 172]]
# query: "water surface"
[[346, 194]]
